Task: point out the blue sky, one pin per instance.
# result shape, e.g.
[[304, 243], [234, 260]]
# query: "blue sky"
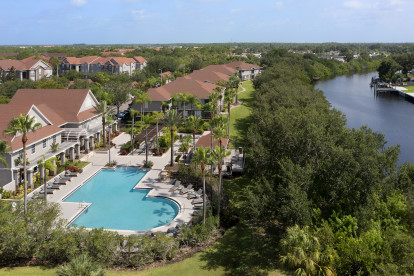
[[204, 21]]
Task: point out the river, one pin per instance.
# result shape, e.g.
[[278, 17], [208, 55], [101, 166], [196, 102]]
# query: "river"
[[390, 114]]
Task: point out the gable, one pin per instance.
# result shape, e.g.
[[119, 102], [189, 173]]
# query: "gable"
[[39, 116], [89, 102]]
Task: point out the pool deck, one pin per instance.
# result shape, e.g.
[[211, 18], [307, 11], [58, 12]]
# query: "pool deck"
[[151, 180]]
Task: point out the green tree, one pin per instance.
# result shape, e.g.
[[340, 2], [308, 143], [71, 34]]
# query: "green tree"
[[301, 251], [164, 107], [194, 102], [171, 120], [194, 123], [133, 113], [387, 69], [184, 98], [228, 99], [203, 156], [43, 166], [119, 91], [3, 149], [141, 97], [102, 109], [22, 125], [218, 155]]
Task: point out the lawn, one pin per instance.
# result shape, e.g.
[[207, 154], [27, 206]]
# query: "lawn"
[[238, 115], [410, 89]]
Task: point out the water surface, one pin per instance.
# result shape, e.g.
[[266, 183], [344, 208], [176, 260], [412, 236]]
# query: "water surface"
[[386, 113]]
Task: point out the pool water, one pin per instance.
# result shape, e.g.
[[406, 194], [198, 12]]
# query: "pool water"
[[116, 205]]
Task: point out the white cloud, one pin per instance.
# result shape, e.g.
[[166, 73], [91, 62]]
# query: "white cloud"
[[141, 14], [78, 3], [279, 4], [353, 4], [397, 3], [234, 11]]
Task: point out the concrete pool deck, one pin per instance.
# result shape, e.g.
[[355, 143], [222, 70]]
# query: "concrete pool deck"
[[151, 180]]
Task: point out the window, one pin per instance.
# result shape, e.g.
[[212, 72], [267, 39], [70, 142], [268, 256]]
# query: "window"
[[54, 138], [33, 149], [44, 143]]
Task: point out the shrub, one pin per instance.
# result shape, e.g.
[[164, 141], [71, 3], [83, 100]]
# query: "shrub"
[[177, 158], [103, 246], [81, 265], [123, 152], [200, 233], [148, 164]]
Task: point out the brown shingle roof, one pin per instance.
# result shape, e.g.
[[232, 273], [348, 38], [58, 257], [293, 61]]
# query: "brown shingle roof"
[[242, 65], [82, 60], [8, 112], [197, 88], [25, 64], [205, 141], [66, 103], [59, 106]]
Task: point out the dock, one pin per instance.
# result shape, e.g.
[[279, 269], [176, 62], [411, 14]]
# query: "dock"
[[397, 90]]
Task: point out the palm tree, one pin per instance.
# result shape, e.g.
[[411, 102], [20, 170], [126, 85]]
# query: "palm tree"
[[174, 102], [142, 98], [218, 155], [183, 98], [3, 149], [165, 106], [194, 102], [203, 157], [228, 99], [301, 251], [147, 121], [157, 116], [102, 108], [171, 120], [215, 97], [194, 123], [133, 113], [235, 82], [22, 125], [46, 165]]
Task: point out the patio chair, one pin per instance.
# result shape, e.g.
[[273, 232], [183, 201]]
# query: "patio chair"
[[193, 194], [68, 173], [186, 190], [53, 186], [198, 206], [49, 191], [176, 187], [60, 181], [68, 178], [197, 201]]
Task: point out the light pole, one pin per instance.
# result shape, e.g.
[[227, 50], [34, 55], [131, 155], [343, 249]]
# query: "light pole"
[[161, 76]]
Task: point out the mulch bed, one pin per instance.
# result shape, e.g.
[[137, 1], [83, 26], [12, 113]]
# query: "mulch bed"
[[172, 169]]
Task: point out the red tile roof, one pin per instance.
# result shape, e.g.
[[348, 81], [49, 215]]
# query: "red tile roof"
[[140, 59]]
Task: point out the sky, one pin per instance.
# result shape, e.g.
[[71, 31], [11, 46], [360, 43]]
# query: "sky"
[[51, 22]]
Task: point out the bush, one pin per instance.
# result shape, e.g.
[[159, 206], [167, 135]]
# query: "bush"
[[103, 246], [148, 164], [81, 265], [199, 234]]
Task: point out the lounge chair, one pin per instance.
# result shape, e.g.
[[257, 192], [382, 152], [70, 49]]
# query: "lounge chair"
[[193, 194], [71, 174], [197, 201], [68, 178], [61, 181], [198, 206], [186, 190], [49, 191], [53, 186], [176, 187]]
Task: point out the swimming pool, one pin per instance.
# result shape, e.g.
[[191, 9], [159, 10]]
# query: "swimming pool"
[[117, 206]]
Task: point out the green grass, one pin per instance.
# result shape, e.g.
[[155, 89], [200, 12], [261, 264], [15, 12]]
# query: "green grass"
[[238, 115], [28, 270], [410, 89]]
